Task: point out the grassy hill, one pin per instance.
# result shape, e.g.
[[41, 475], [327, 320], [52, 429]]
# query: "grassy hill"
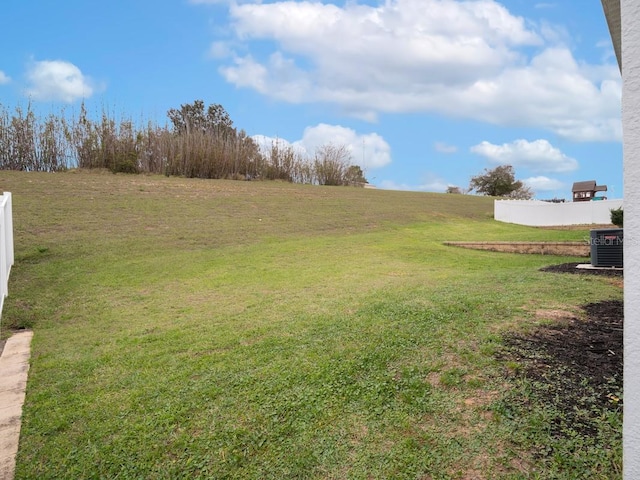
[[217, 329]]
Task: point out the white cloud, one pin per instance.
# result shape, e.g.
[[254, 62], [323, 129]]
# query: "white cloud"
[[367, 150], [576, 102], [220, 50], [443, 147], [279, 78], [4, 78], [58, 80], [362, 46], [537, 156], [542, 183], [463, 59], [267, 143], [247, 73]]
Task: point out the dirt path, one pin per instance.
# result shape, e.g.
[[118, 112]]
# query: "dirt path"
[[14, 366]]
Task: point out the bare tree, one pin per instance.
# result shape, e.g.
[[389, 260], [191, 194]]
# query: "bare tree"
[[331, 163]]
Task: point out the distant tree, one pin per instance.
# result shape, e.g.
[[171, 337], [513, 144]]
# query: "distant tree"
[[355, 176], [500, 182], [192, 117], [217, 116], [522, 193], [454, 189]]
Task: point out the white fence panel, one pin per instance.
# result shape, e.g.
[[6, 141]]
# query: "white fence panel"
[[6, 244], [547, 214]]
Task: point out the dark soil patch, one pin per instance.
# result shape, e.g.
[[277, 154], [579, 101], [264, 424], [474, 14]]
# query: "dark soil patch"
[[573, 366], [571, 268]]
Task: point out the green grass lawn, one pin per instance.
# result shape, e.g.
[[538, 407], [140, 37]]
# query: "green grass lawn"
[[217, 329]]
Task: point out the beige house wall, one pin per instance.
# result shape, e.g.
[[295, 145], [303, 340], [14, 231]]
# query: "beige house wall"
[[623, 19], [630, 59]]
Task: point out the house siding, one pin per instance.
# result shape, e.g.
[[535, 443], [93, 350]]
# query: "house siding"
[[630, 16]]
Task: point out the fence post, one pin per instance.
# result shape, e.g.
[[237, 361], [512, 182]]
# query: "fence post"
[[3, 257], [6, 246], [8, 223]]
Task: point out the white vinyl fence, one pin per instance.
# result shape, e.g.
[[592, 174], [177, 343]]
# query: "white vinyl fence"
[[547, 214], [6, 245]]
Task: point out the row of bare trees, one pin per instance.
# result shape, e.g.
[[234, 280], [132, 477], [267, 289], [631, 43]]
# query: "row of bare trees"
[[199, 143], [29, 143]]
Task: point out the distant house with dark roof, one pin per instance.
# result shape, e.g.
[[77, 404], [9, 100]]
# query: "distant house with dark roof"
[[585, 191]]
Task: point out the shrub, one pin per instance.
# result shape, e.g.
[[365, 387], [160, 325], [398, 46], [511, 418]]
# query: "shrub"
[[125, 163], [617, 216]]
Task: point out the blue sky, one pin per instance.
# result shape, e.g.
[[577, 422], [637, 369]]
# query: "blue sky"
[[425, 93]]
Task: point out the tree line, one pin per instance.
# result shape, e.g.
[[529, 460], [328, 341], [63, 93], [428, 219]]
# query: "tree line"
[[198, 142]]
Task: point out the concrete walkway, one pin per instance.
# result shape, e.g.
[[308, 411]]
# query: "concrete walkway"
[[14, 366]]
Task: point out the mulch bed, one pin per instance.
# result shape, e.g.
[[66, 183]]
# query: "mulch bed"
[[571, 268], [574, 365]]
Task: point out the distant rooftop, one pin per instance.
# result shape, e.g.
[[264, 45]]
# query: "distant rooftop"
[[584, 191]]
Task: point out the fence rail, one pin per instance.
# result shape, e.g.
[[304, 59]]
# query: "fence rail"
[[547, 214], [6, 244]]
